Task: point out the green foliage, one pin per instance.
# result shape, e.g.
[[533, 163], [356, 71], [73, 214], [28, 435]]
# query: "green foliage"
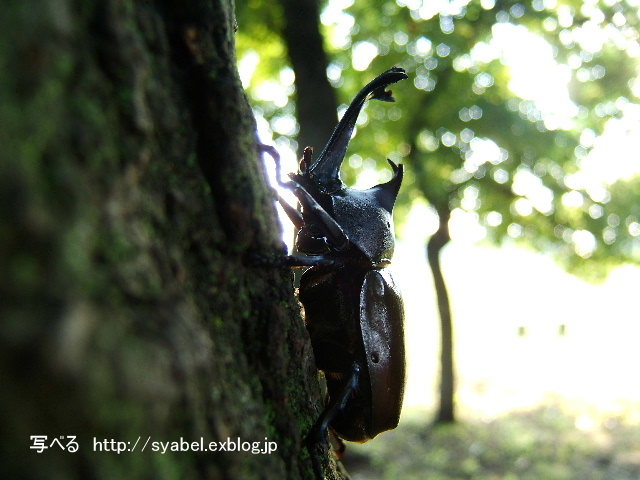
[[477, 135], [262, 58]]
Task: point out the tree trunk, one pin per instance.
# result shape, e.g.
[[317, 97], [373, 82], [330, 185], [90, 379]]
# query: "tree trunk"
[[132, 200], [446, 409], [315, 99]]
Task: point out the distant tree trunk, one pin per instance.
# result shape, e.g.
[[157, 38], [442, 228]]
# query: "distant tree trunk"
[[132, 200], [315, 100], [446, 409]]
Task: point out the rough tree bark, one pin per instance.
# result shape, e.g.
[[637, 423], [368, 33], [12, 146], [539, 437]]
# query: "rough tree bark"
[[132, 199]]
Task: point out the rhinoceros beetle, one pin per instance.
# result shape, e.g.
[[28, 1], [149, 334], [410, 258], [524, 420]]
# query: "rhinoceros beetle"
[[353, 310]]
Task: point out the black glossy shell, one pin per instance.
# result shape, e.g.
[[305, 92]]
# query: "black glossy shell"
[[357, 315]]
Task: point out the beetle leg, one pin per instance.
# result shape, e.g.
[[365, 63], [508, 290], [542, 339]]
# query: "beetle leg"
[[273, 153], [334, 233], [317, 437], [294, 215], [336, 405], [330, 228], [280, 261], [313, 261]]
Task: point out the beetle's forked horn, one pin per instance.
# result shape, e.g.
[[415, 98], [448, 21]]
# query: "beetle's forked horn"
[[326, 169]]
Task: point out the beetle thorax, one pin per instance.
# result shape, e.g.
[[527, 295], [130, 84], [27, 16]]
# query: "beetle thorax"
[[368, 226]]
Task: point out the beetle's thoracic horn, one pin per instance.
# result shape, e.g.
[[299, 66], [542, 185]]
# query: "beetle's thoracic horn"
[[386, 193], [326, 169]]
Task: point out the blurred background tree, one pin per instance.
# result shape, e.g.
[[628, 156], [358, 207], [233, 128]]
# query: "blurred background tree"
[[522, 123]]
